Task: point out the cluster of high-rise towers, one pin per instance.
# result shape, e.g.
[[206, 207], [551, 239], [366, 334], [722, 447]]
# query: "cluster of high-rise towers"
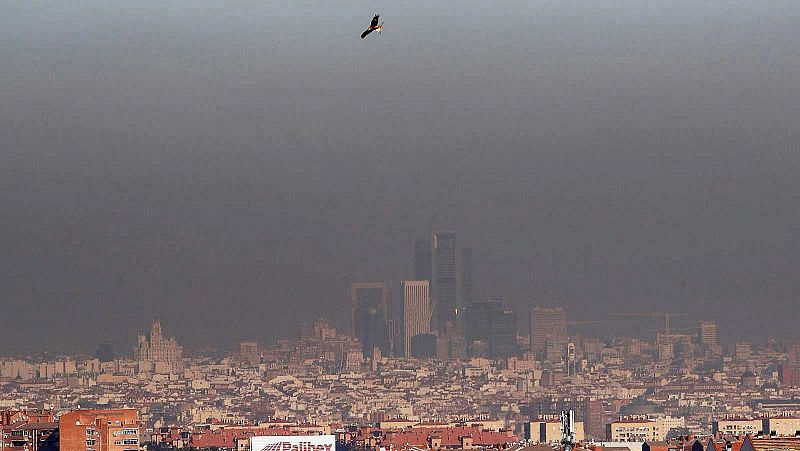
[[439, 316]]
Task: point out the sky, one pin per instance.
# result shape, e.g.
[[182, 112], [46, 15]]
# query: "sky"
[[227, 166]]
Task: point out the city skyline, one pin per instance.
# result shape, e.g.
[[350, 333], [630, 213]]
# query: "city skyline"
[[203, 163], [547, 341], [321, 382], [493, 226], [394, 306], [681, 387]]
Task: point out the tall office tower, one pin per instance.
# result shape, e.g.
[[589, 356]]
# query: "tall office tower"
[[494, 325], [446, 284], [422, 260], [416, 311], [708, 333], [547, 325], [369, 303]]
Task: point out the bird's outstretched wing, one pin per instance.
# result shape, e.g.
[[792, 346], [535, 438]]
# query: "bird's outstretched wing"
[[374, 21], [366, 32]]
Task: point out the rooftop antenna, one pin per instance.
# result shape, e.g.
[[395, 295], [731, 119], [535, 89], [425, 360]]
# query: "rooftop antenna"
[[567, 430]]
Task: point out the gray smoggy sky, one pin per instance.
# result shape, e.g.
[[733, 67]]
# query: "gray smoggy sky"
[[220, 164]]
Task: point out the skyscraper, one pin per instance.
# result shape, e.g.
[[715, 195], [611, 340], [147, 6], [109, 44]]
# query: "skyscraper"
[[369, 303], [708, 333], [494, 325], [416, 311], [446, 283], [422, 260], [548, 327]]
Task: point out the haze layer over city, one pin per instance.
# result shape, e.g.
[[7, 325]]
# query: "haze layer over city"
[[231, 167]]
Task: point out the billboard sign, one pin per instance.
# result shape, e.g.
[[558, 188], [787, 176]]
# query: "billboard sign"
[[293, 443]]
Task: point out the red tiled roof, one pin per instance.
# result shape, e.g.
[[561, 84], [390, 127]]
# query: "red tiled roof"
[[449, 437], [778, 443], [209, 440]]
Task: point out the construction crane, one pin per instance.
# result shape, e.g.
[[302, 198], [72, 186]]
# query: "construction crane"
[[665, 315]]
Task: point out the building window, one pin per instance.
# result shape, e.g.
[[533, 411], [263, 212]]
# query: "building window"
[[91, 442], [130, 431], [90, 432], [130, 441]]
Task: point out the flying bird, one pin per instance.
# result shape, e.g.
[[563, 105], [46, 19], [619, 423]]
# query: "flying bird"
[[374, 26]]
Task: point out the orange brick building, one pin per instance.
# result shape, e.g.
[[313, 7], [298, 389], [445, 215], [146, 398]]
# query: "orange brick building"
[[99, 430]]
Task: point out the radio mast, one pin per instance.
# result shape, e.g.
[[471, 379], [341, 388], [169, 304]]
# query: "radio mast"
[[567, 430]]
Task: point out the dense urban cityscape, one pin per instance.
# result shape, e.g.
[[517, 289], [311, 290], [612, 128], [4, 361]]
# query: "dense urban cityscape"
[[451, 372], [417, 225]]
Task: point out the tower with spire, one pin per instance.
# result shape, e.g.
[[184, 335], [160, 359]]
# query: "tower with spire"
[[159, 350]]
